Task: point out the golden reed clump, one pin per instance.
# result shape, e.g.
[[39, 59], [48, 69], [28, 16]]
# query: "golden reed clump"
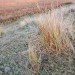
[[56, 32]]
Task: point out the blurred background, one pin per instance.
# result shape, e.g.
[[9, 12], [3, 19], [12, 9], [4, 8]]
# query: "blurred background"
[[13, 9]]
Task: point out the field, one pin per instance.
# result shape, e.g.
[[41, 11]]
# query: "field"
[[11, 11], [38, 44]]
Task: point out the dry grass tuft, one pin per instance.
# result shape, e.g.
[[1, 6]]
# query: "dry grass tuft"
[[32, 55], [57, 34], [33, 60]]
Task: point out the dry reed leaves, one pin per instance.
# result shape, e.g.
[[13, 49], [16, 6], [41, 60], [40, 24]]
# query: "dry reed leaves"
[[55, 32]]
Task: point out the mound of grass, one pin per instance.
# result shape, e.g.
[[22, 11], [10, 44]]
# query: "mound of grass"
[[57, 34]]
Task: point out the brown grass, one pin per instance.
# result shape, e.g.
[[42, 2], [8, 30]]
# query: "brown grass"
[[33, 60], [32, 55], [57, 34]]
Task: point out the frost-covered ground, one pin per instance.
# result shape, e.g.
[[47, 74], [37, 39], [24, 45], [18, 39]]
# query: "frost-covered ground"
[[17, 36]]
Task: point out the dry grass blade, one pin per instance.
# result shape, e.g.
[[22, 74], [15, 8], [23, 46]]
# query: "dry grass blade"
[[32, 56]]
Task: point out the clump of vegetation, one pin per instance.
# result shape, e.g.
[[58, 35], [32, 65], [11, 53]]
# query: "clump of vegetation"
[[57, 34], [32, 55], [33, 59], [57, 38]]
